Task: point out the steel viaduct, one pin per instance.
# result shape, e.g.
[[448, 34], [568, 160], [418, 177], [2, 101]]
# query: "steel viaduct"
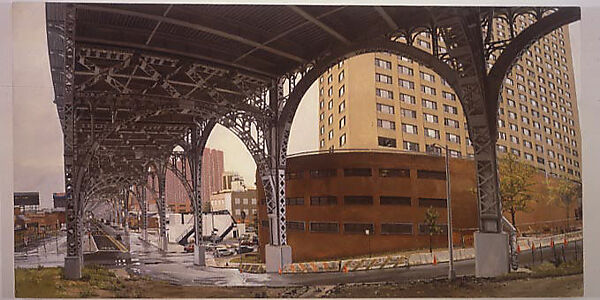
[[133, 81]]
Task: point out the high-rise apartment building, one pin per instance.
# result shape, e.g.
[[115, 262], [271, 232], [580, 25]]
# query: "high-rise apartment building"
[[386, 101], [175, 193]]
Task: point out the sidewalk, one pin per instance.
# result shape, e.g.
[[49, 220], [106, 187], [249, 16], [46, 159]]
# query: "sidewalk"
[[410, 258]]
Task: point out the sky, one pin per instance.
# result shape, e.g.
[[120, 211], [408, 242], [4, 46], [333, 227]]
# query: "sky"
[[38, 162]]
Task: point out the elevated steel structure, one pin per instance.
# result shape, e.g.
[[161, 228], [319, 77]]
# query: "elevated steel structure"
[[132, 81]]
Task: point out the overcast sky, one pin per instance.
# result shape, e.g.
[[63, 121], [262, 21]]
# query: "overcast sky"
[[38, 137]]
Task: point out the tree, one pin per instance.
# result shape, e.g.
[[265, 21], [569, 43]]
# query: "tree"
[[516, 181], [564, 192], [431, 217]]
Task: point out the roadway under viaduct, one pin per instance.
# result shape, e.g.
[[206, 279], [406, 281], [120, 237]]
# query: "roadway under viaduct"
[[134, 81]]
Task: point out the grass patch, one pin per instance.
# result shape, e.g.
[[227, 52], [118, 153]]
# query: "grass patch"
[[547, 269], [40, 282], [50, 283]]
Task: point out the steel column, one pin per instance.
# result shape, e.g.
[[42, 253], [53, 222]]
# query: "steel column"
[[162, 206], [144, 208], [74, 257], [196, 151]]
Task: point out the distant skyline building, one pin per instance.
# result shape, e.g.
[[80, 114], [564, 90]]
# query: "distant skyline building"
[[176, 194], [385, 101]]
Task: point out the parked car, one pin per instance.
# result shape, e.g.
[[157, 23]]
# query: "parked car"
[[210, 246], [220, 252], [244, 249], [189, 248]]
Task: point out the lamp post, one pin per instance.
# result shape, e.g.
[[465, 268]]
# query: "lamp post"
[[367, 232], [451, 272]]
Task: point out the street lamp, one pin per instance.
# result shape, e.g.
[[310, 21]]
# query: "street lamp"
[[367, 232], [451, 272]]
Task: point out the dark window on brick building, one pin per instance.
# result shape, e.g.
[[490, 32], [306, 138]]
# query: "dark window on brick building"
[[295, 225], [264, 223], [358, 228], [426, 174], [323, 173], [357, 172], [386, 142], [398, 228], [323, 200], [294, 175], [358, 200], [324, 227], [394, 172], [295, 201], [424, 229], [394, 200], [435, 202]]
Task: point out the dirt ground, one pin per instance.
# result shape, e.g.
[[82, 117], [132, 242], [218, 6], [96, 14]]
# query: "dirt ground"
[[545, 280], [562, 286]]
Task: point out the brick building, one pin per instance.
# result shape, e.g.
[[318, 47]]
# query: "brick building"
[[333, 197]]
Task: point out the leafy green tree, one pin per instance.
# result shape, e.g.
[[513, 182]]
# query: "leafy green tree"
[[516, 182], [564, 192], [431, 218]]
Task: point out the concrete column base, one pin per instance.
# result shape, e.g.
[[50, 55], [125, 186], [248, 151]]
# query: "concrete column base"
[[199, 255], [72, 268], [276, 257], [165, 244], [491, 254]]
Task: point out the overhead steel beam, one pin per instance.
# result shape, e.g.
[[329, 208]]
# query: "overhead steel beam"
[[175, 52], [317, 22], [283, 34], [386, 17], [158, 24], [194, 26]]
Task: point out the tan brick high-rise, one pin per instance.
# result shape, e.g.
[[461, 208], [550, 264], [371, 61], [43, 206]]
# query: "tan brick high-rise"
[[385, 101]]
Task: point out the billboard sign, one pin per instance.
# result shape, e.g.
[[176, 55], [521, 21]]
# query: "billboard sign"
[[60, 200], [27, 198]]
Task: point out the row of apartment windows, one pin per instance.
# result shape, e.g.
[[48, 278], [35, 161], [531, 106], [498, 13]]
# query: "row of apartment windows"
[[245, 201], [537, 125], [541, 160], [367, 172], [360, 228], [414, 147], [412, 100], [341, 91]]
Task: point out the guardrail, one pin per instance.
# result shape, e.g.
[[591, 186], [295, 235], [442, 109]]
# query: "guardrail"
[[253, 268], [525, 243]]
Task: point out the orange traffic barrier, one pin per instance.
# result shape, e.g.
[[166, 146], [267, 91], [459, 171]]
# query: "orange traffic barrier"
[[565, 241], [434, 260], [552, 243], [279, 271], [345, 269], [518, 248]]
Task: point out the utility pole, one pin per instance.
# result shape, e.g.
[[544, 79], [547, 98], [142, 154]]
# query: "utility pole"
[[451, 272]]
